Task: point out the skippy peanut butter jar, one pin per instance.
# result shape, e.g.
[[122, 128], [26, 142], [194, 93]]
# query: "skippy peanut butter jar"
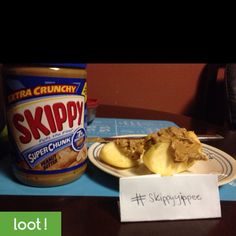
[[46, 116]]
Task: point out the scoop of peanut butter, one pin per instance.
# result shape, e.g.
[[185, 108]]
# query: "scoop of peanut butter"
[[184, 145], [132, 148]]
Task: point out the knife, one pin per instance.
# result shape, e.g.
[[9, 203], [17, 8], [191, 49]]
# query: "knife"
[[202, 137]]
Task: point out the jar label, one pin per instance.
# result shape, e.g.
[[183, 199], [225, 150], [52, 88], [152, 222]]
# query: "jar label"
[[46, 119]]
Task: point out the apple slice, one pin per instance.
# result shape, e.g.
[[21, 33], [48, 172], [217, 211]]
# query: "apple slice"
[[111, 155]]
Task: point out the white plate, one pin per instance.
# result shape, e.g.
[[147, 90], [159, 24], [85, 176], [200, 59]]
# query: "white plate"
[[219, 163]]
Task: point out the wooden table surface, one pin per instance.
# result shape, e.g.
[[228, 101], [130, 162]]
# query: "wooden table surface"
[[100, 215]]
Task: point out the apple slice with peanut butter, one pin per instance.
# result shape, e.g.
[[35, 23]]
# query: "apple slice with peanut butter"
[[170, 150]]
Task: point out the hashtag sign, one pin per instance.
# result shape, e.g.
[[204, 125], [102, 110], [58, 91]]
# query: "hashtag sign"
[[139, 199]]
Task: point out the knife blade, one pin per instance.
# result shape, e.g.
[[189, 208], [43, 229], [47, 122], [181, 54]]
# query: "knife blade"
[[201, 137]]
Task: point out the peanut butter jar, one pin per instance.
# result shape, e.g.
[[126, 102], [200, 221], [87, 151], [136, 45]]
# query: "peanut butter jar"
[[46, 118]]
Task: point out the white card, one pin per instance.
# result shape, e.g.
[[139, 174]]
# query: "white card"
[[151, 197]]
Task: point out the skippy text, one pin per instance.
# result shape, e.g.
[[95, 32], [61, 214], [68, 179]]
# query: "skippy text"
[[179, 199], [32, 123]]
